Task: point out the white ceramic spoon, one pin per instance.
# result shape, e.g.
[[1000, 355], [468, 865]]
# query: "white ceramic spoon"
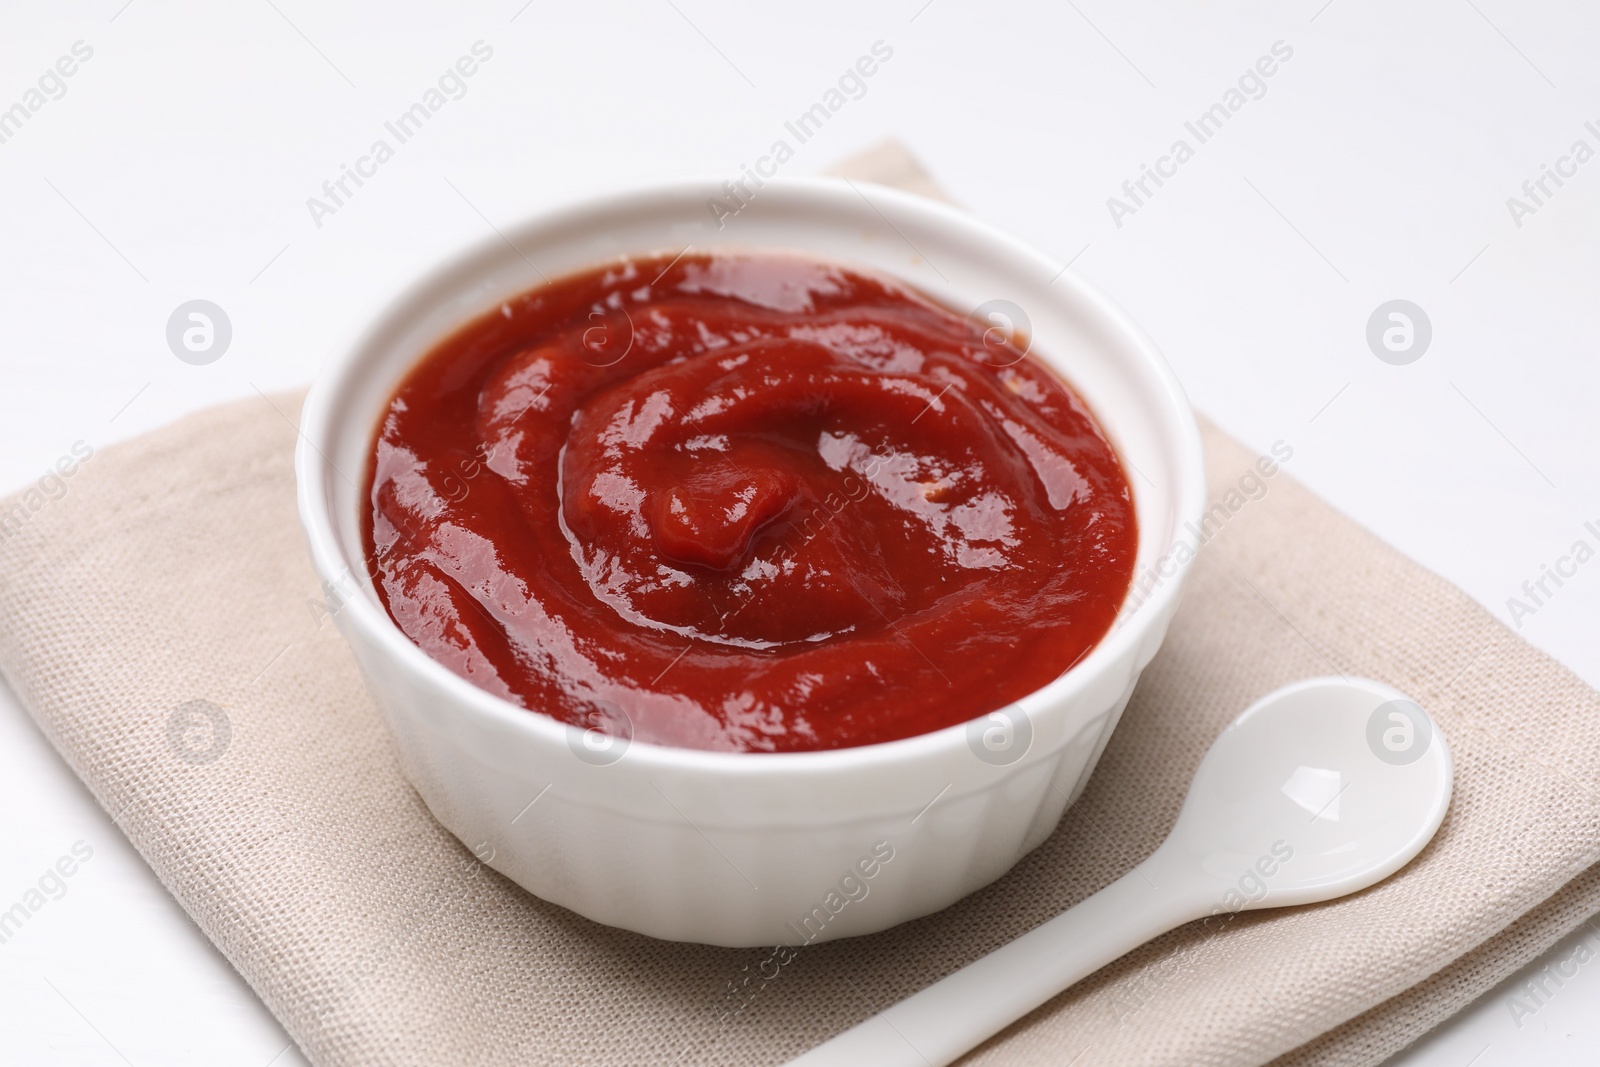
[[1319, 789]]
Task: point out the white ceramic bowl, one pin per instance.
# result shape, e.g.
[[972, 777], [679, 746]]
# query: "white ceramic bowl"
[[756, 849]]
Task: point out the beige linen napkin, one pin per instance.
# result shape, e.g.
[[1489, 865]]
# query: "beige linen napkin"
[[161, 623]]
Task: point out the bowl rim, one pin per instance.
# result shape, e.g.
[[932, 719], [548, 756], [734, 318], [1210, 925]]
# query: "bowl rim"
[[321, 415]]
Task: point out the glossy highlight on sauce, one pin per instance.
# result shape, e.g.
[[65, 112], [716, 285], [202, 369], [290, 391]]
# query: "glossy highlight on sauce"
[[745, 502]]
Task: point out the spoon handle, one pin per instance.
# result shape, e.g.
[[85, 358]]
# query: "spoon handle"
[[937, 1024]]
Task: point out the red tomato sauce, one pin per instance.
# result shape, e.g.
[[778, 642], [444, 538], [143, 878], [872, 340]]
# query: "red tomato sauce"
[[751, 502]]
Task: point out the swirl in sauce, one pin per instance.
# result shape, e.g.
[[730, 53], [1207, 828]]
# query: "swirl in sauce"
[[749, 502]]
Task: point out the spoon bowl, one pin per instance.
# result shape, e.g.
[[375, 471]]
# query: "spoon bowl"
[[1321, 788]]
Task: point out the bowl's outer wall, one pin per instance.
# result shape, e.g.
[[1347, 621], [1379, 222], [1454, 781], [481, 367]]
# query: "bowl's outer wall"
[[747, 850], [660, 874]]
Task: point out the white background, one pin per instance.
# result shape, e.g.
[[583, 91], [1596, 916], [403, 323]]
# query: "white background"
[[1376, 166]]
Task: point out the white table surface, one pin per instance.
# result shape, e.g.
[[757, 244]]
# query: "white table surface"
[[1377, 165]]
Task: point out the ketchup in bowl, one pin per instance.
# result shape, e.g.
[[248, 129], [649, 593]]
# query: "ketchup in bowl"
[[745, 502]]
